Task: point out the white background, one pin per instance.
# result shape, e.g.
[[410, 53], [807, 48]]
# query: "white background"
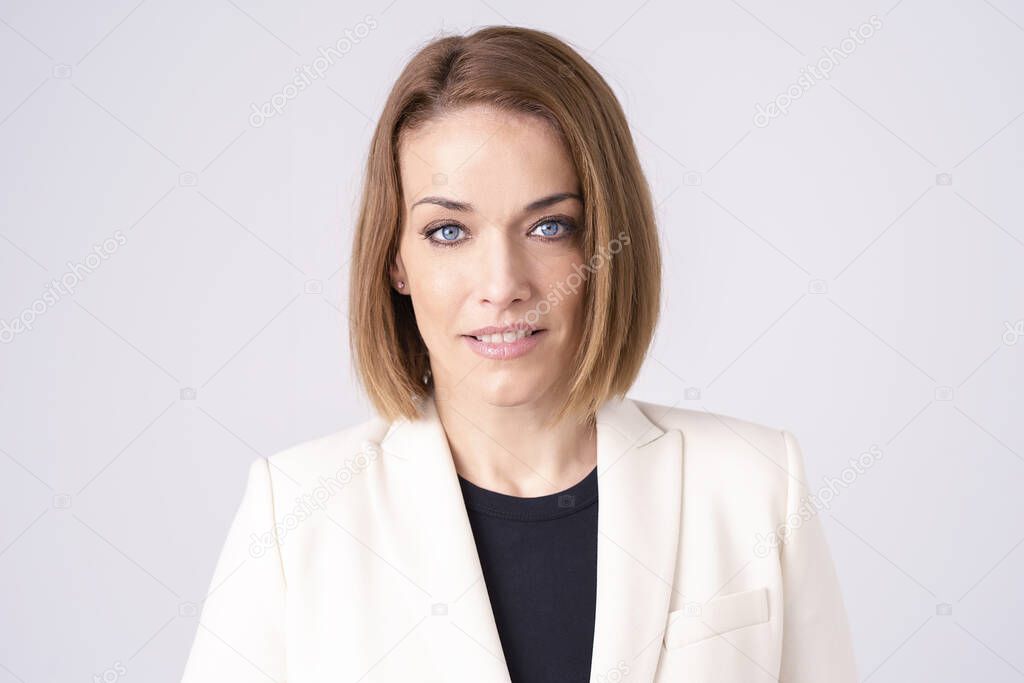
[[819, 277]]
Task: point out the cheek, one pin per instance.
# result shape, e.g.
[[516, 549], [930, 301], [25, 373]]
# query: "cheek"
[[435, 295], [564, 288], [573, 276]]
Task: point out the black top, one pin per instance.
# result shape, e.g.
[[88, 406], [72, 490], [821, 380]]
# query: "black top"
[[539, 560]]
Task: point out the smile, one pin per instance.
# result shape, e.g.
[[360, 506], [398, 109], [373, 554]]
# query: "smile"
[[505, 346]]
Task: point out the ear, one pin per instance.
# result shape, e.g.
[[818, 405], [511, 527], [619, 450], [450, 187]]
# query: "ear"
[[398, 276]]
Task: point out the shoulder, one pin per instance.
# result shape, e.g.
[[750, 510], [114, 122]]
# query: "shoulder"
[[728, 447], [716, 427], [323, 455]]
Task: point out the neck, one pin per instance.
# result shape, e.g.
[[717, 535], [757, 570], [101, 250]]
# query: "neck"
[[509, 449]]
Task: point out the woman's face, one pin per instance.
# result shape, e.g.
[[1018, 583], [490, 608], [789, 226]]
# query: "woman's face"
[[492, 210]]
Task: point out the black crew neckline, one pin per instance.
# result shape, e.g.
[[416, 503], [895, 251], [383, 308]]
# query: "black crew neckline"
[[579, 496]]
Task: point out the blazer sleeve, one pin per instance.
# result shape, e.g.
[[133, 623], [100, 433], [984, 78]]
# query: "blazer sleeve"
[[241, 632], [816, 642]]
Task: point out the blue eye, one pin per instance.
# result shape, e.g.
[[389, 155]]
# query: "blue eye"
[[449, 234], [549, 228]]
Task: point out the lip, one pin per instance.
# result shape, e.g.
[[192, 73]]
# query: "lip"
[[504, 350]]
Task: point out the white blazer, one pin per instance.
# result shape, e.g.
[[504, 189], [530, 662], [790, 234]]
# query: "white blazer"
[[351, 558]]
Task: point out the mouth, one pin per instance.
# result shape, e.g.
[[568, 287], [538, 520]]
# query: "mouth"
[[506, 345]]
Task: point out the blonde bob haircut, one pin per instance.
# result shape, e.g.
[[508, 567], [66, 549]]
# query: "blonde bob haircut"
[[534, 73]]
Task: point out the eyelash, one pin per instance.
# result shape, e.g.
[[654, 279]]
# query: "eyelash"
[[567, 223]]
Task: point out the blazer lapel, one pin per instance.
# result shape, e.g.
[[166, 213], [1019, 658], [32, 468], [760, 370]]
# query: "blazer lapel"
[[639, 488], [639, 469], [461, 632]]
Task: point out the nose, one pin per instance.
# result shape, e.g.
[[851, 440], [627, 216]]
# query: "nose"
[[503, 272]]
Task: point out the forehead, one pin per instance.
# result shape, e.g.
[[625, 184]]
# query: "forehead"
[[481, 154]]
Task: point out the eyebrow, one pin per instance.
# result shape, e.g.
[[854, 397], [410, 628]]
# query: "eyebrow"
[[543, 202]]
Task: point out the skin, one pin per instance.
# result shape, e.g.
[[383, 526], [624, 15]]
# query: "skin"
[[492, 265]]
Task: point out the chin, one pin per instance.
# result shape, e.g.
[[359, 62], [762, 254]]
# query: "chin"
[[507, 389]]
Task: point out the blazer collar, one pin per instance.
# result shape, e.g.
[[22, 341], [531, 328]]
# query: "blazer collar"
[[639, 495]]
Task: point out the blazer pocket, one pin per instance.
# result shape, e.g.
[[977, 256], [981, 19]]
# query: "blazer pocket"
[[720, 615]]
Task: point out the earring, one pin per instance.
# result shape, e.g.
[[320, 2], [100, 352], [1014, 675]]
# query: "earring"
[[401, 285]]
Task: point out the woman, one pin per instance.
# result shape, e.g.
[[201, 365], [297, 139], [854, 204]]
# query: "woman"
[[504, 290]]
